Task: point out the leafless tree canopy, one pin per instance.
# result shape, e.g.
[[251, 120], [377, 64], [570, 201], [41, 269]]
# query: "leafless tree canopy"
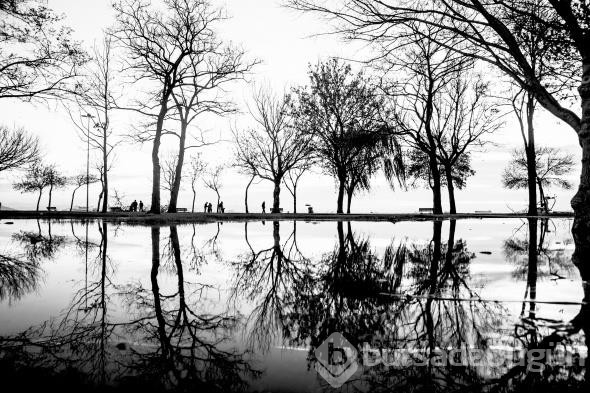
[[274, 146], [95, 102], [38, 58], [17, 149], [175, 54]]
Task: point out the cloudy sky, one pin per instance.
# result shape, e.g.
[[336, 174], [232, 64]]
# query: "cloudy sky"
[[285, 41]]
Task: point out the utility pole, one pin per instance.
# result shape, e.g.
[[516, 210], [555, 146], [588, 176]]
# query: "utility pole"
[[88, 116]]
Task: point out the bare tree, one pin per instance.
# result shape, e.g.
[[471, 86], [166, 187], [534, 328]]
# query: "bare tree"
[[159, 43], [95, 101], [551, 167], [429, 68], [79, 181], [213, 181], [211, 66], [38, 58], [274, 146], [465, 116], [294, 175], [119, 198], [169, 171], [17, 149], [196, 169]]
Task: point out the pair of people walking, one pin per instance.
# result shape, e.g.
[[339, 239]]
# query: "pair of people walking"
[[133, 207], [208, 207]]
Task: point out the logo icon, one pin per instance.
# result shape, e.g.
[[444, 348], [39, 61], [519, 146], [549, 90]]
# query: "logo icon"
[[336, 360]]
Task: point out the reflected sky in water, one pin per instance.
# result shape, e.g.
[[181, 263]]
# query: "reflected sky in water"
[[241, 306]]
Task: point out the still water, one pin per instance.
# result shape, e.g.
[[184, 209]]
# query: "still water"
[[243, 306]]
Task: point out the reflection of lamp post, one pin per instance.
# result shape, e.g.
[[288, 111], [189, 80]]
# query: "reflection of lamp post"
[[88, 116]]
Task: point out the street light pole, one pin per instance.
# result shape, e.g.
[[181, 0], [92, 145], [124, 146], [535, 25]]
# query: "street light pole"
[[88, 116]]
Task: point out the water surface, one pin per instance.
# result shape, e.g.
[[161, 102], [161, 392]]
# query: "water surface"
[[243, 306]]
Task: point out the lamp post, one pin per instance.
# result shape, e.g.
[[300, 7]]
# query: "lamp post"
[[88, 116]]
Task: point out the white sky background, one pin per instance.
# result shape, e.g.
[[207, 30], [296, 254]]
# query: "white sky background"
[[281, 39]]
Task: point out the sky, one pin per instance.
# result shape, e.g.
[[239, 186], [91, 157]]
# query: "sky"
[[285, 42]]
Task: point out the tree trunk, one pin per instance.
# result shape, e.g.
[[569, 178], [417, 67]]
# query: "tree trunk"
[[544, 206], [99, 199], [276, 195], [73, 195], [581, 201], [450, 189], [178, 172], [340, 200], [246, 194], [50, 192], [294, 198], [105, 176], [39, 199], [155, 207], [531, 159], [532, 266], [436, 186], [349, 200], [194, 198]]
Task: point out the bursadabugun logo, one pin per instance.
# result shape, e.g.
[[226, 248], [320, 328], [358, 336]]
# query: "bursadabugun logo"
[[336, 360]]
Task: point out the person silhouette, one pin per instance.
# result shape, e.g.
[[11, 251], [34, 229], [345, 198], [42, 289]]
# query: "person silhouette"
[[221, 208], [140, 206], [210, 208], [206, 207], [263, 206]]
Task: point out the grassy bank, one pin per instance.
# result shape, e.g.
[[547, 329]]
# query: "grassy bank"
[[214, 217]]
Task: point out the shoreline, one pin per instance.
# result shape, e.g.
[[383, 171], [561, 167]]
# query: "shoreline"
[[241, 217]]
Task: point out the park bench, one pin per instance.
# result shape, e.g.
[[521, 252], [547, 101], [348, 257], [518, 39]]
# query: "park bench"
[[181, 209], [116, 209], [51, 208], [424, 210]]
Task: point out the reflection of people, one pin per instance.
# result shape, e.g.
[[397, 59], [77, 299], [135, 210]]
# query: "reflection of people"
[[264, 206]]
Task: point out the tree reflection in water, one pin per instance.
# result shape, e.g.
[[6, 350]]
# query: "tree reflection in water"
[[415, 298], [268, 278], [181, 349], [38, 246], [18, 277]]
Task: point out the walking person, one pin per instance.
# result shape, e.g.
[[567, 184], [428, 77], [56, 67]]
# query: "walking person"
[[206, 207], [140, 206], [221, 208], [263, 206], [210, 208]]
